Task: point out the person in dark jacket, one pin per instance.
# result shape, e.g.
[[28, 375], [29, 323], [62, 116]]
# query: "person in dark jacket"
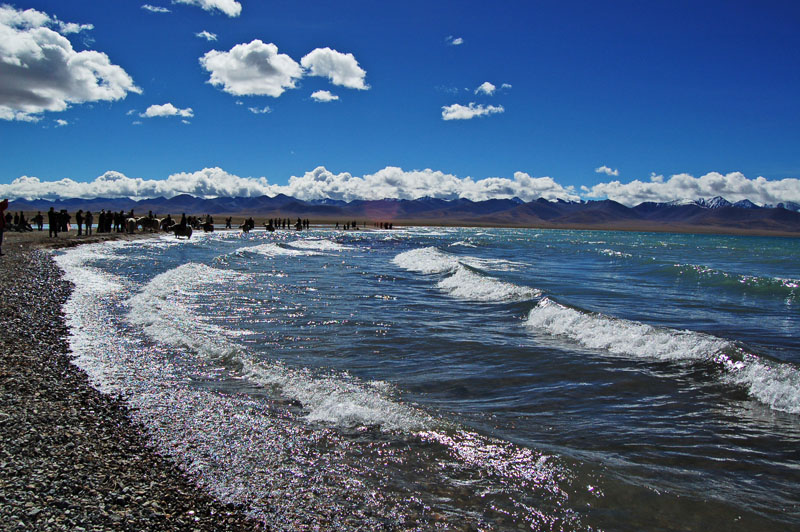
[[3, 207], [53, 221]]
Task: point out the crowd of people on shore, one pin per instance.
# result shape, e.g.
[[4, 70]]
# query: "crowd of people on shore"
[[118, 222]]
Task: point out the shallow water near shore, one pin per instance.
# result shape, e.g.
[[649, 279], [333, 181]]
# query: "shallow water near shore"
[[429, 378]]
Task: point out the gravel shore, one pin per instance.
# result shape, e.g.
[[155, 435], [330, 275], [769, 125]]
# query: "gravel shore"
[[70, 457]]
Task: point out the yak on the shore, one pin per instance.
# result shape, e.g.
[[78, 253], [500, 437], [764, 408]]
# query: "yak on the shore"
[[180, 230], [148, 224]]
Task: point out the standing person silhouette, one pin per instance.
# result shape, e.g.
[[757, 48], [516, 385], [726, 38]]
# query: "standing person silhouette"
[[52, 222], [79, 220], [3, 207], [88, 219]]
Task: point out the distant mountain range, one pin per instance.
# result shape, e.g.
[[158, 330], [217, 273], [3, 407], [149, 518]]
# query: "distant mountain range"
[[714, 214]]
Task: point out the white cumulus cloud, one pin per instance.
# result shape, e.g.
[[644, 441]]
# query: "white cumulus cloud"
[[260, 110], [41, 71], [454, 41], [166, 109], [323, 96], [155, 9], [61, 123], [733, 186], [232, 8], [65, 28], [466, 112], [607, 171], [207, 35], [486, 88], [341, 69], [255, 68]]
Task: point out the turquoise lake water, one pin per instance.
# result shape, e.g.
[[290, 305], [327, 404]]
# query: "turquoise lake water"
[[463, 379]]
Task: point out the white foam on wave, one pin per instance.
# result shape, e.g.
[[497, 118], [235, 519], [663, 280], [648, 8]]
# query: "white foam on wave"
[[463, 283], [614, 253], [620, 336], [339, 400], [85, 312], [777, 385], [491, 264], [88, 280], [466, 284], [275, 250], [773, 383], [426, 260], [164, 309], [318, 244]]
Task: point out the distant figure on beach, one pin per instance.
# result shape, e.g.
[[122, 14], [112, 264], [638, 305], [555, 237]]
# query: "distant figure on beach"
[[88, 218], [167, 222], [39, 220], [208, 225], [79, 221], [228, 221], [3, 207], [248, 225], [52, 222], [22, 223], [64, 219], [182, 223]]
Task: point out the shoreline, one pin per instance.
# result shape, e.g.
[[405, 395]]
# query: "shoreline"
[[71, 457]]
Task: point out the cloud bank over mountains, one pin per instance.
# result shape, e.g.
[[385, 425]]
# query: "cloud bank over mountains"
[[393, 182], [734, 186]]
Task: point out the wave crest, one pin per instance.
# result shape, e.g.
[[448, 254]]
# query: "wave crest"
[[463, 281], [773, 383]]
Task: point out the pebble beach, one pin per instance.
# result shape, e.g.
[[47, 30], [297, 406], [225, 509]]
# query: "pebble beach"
[[70, 457]]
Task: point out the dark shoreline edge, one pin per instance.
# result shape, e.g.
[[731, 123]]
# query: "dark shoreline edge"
[[71, 458]]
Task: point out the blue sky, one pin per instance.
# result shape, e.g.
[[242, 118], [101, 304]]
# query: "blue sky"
[[669, 99]]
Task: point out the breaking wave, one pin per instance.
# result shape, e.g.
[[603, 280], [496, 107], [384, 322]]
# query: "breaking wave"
[[164, 308], [773, 383], [318, 244], [275, 250], [339, 400], [464, 281]]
